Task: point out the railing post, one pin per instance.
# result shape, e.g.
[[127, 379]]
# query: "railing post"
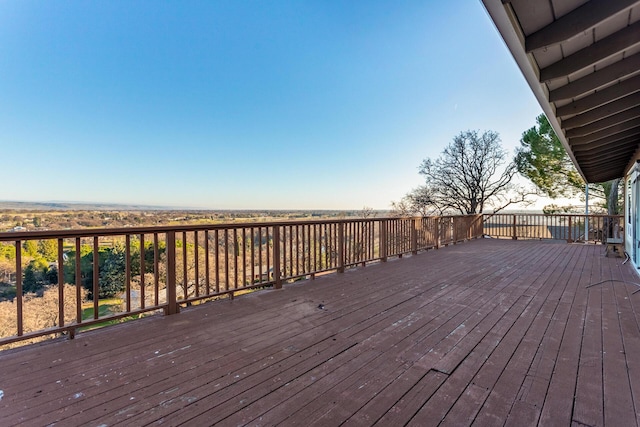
[[515, 230], [172, 299], [473, 227], [456, 232], [383, 240], [276, 257], [436, 220], [341, 247], [569, 238], [414, 236], [468, 224]]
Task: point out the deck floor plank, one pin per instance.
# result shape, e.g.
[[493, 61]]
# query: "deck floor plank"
[[465, 292], [375, 299], [294, 390], [618, 398], [502, 399], [442, 357], [486, 376], [230, 367], [403, 324], [487, 332], [630, 333], [589, 409]]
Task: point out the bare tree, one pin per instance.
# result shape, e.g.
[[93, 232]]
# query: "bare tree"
[[39, 312], [367, 212], [401, 208], [471, 174], [418, 201]]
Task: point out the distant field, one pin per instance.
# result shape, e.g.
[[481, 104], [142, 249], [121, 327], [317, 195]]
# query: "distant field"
[[60, 216], [558, 232]]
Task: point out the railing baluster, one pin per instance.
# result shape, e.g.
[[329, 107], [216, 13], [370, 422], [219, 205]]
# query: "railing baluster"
[[78, 273], [276, 257], [310, 243], [127, 269], [172, 301], [217, 251], [414, 236], [156, 270], [185, 272], [268, 253], [207, 272], [284, 253], [315, 247], [244, 256], [370, 240], [60, 283], [365, 241], [196, 263], [290, 240], [383, 240], [96, 278], [307, 247], [297, 251], [253, 259], [19, 290], [333, 245], [236, 255], [226, 260], [142, 272], [341, 247], [260, 276]]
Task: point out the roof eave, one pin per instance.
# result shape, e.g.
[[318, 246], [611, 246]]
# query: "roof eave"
[[506, 25]]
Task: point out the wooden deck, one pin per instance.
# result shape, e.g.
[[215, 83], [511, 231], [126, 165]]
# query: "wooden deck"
[[488, 332]]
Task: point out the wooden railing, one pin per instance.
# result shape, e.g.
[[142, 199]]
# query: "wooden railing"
[[569, 227], [68, 281]]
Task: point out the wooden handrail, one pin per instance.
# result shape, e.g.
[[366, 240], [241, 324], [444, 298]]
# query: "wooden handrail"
[[569, 227], [189, 263]]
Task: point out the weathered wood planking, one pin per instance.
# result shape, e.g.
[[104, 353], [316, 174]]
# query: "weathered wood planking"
[[488, 332]]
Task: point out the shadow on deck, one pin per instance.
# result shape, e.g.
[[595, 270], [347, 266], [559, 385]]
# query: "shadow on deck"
[[486, 332]]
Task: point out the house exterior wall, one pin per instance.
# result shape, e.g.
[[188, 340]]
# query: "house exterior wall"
[[632, 209]]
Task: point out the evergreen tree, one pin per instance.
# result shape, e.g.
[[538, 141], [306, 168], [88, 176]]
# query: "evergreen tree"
[[112, 274], [542, 158]]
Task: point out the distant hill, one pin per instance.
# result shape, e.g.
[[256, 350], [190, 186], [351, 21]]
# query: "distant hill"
[[78, 206], [105, 207]]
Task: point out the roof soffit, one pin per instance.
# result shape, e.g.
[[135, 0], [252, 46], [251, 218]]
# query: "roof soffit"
[[582, 61]]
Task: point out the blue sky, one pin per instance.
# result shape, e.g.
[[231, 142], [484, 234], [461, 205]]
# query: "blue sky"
[[245, 104]]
